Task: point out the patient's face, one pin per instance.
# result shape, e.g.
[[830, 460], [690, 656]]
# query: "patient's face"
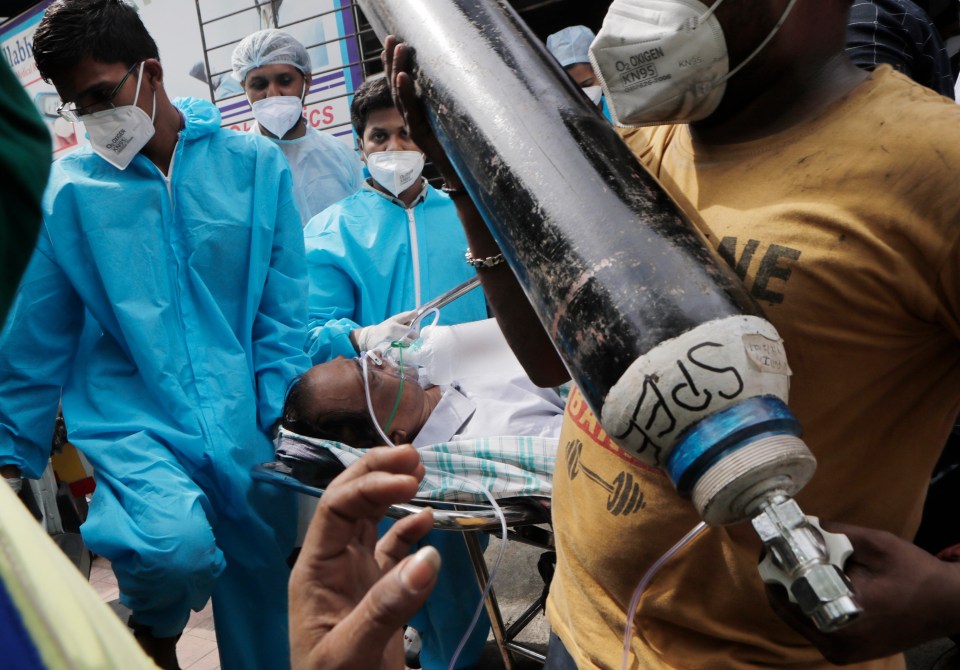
[[337, 401]]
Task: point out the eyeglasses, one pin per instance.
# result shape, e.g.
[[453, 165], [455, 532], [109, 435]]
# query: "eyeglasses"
[[72, 113]]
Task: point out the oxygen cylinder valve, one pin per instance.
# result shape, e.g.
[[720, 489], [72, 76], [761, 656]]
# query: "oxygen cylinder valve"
[[807, 561]]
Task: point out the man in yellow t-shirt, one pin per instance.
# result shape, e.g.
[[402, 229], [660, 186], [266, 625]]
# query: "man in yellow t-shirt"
[[830, 194], [843, 227], [829, 190]]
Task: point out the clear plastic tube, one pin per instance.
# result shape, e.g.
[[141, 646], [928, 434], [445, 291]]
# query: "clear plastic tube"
[[416, 325], [487, 494], [413, 330], [493, 572], [645, 582]]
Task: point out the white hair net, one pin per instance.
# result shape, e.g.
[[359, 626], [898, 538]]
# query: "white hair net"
[[268, 47], [571, 45]]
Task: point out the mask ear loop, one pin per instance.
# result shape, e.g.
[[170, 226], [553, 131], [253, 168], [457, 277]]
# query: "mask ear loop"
[[303, 98], [710, 11], [139, 81], [766, 40], [153, 114]]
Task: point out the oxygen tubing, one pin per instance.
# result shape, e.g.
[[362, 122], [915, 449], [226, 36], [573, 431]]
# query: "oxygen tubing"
[[487, 494], [645, 582]]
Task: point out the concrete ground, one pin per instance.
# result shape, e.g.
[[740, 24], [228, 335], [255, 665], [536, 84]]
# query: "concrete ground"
[[517, 585]]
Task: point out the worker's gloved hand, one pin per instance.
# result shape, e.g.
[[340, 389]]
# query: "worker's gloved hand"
[[350, 594], [397, 327], [908, 597], [432, 354]]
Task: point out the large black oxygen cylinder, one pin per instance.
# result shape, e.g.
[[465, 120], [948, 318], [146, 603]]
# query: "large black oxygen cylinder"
[[610, 264], [638, 306]]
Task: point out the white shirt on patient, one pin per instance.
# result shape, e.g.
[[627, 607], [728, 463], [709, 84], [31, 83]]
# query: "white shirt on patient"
[[489, 394]]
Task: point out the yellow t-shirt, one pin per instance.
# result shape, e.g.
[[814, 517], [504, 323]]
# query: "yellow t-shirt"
[[845, 230]]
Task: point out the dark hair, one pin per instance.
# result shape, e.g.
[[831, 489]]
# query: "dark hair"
[[372, 95], [109, 31], [353, 429]]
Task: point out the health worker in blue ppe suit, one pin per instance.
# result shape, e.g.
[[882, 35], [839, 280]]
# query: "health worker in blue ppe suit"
[[571, 48], [372, 258], [166, 298], [274, 69], [387, 249]]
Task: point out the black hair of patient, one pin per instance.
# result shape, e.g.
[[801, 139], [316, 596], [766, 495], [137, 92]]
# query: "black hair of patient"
[[353, 429]]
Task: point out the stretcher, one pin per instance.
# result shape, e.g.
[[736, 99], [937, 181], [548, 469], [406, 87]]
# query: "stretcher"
[[525, 519]]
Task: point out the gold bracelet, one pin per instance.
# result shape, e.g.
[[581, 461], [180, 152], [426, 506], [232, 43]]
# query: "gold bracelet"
[[452, 191], [488, 262]]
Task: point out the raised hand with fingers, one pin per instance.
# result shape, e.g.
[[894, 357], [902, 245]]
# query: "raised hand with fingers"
[[397, 66], [349, 594]]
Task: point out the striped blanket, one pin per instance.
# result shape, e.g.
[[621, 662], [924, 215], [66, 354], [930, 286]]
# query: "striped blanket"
[[507, 466]]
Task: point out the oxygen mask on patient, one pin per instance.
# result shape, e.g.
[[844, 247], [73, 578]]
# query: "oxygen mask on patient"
[[380, 373], [414, 352], [399, 362], [445, 354]]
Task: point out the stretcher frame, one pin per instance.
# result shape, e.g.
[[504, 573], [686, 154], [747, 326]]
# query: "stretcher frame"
[[524, 521]]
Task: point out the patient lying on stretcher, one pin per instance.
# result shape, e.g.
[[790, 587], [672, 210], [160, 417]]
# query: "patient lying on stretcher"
[[489, 422]]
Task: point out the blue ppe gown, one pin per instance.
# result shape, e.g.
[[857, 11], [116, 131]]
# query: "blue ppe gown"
[[325, 170], [605, 109], [171, 312], [368, 258]]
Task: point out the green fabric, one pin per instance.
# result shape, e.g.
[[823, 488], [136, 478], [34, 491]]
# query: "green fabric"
[[25, 152]]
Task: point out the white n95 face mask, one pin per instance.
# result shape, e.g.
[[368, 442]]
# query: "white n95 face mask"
[[396, 171], [278, 113], [118, 134], [664, 61], [595, 93]]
